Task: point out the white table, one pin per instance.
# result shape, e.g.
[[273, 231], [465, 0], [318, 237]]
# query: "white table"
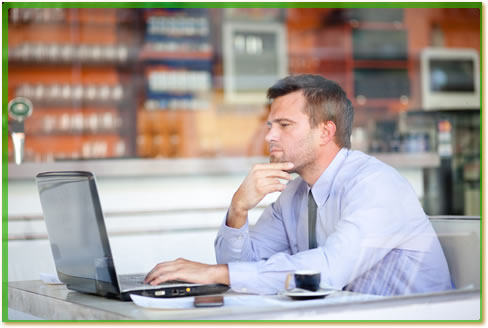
[[56, 302]]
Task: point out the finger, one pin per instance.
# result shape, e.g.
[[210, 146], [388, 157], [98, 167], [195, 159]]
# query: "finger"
[[277, 166], [269, 181], [158, 273], [159, 269], [274, 174], [272, 187], [173, 275], [151, 274]]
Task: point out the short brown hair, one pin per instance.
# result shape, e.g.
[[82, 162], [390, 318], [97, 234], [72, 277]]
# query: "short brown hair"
[[326, 101]]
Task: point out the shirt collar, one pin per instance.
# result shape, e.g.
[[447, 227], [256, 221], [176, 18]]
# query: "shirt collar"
[[321, 188]]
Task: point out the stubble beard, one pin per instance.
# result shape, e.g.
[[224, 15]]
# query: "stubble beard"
[[302, 161], [274, 159], [282, 159]]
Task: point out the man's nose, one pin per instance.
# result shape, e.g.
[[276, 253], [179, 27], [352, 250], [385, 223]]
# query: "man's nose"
[[271, 136]]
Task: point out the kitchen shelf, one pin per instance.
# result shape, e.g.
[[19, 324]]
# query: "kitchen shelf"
[[75, 69], [167, 55]]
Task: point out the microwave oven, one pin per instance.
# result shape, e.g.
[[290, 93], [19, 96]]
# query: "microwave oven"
[[450, 79]]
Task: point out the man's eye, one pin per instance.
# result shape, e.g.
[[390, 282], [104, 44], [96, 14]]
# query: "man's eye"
[[284, 125]]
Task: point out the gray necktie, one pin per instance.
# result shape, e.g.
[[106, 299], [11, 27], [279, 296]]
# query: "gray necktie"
[[312, 220]]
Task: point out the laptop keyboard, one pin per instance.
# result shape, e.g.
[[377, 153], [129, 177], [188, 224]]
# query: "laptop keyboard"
[[136, 281]]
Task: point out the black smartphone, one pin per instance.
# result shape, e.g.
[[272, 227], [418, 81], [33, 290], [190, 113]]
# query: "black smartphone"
[[208, 301]]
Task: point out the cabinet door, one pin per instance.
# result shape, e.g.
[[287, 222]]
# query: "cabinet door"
[[376, 44], [383, 83]]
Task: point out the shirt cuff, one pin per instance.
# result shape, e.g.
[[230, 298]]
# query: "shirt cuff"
[[242, 275], [235, 236], [242, 229]]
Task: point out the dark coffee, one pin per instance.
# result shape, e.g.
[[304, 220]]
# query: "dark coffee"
[[308, 280]]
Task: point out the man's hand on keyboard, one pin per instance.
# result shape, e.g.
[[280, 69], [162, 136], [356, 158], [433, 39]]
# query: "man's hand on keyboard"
[[189, 271]]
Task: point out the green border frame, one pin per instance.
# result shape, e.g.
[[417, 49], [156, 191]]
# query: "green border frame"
[[242, 4], [4, 164], [7, 5]]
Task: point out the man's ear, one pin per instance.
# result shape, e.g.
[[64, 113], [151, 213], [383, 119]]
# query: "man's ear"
[[327, 132]]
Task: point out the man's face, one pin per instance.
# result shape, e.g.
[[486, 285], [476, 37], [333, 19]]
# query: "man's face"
[[290, 137]]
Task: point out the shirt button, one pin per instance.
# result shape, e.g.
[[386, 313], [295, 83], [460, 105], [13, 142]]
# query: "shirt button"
[[239, 237], [244, 290]]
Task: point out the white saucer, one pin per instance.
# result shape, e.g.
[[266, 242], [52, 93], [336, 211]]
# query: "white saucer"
[[301, 294]]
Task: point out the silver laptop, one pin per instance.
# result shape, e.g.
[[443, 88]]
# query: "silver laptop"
[[80, 243]]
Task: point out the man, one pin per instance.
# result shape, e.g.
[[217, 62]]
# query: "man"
[[371, 234]]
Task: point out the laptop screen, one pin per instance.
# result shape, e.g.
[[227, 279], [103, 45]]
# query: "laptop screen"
[[76, 229]]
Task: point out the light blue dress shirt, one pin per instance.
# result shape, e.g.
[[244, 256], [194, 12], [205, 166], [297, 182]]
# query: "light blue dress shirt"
[[372, 232]]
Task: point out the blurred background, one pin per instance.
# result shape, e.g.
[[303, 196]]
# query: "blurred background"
[[167, 107]]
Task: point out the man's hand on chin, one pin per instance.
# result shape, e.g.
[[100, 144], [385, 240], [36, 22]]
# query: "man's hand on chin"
[[188, 271]]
